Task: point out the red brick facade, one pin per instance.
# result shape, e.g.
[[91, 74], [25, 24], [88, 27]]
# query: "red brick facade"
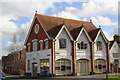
[[14, 61], [40, 36]]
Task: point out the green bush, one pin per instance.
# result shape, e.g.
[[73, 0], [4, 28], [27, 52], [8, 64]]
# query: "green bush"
[[15, 73], [21, 72]]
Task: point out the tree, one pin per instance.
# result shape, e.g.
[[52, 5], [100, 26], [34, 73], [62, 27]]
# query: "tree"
[[17, 46], [19, 57]]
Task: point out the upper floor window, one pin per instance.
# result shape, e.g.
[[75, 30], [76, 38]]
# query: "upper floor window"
[[99, 45], [41, 45], [28, 45], [34, 47], [82, 45], [62, 43], [36, 29], [46, 44]]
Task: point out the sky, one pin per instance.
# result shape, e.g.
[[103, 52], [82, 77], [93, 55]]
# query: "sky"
[[16, 16]]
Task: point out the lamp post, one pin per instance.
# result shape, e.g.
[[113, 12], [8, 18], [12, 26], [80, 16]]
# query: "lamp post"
[[106, 74]]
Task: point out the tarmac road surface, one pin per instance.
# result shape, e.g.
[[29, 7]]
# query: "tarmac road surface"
[[90, 77]]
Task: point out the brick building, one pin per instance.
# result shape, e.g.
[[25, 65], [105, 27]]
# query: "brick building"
[[14, 62], [65, 47]]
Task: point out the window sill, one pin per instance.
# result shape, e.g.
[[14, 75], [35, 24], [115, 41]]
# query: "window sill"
[[82, 49], [98, 50], [62, 49]]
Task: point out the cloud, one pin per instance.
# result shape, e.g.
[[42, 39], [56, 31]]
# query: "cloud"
[[111, 33], [105, 21], [108, 35], [93, 8], [7, 27], [66, 15], [26, 9], [10, 12]]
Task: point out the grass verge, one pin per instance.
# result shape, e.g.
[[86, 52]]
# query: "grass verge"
[[113, 78]]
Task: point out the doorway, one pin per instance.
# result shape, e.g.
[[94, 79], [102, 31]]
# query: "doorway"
[[82, 67], [34, 69]]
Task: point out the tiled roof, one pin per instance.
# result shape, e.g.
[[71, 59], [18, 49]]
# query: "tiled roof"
[[111, 43], [52, 25], [93, 33]]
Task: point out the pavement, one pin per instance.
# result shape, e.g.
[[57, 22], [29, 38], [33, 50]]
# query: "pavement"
[[89, 77]]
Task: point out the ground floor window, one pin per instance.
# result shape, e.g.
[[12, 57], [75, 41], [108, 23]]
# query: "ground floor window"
[[63, 67], [100, 65], [44, 65], [82, 66], [28, 64]]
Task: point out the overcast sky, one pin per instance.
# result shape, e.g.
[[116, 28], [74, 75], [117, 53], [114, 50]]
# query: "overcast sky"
[[17, 15]]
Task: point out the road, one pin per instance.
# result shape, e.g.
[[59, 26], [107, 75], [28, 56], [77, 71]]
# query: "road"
[[90, 77]]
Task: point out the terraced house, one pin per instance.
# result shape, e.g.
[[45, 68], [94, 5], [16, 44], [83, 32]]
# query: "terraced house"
[[65, 47]]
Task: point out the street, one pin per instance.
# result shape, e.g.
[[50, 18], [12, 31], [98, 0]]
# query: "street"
[[89, 77]]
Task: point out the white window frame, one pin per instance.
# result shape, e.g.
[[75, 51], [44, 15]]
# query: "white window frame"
[[41, 45], [33, 47], [84, 48], [46, 45], [65, 43], [28, 47], [99, 47], [35, 28]]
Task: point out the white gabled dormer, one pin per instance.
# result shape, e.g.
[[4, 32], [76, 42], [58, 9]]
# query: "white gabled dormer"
[[83, 44], [63, 43], [114, 52], [100, 45]]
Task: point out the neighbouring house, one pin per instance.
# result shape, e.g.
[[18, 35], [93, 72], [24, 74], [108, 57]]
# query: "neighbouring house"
[[65, 47], [15, 62], [115, 53]]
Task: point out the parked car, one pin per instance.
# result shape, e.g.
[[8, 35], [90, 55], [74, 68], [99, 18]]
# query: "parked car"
[[2, 75]]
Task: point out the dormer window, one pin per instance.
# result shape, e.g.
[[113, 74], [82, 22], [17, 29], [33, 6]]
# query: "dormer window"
[[99, 45], [36, 29], [62, 43], [82, 45]]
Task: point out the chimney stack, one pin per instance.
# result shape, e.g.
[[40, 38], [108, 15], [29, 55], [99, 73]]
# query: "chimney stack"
[[116, 37]]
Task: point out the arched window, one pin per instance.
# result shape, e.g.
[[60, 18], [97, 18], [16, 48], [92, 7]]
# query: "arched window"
[[28, 46], [46, 44], [34, 45], [99, 45], [63, 67], [100, 65], [41, 44], [62, 43], [82, 45]]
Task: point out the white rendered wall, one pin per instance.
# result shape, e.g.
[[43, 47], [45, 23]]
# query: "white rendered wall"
[[36, 56], [100, 53], [83, 53], [63, 53], [114, 50]]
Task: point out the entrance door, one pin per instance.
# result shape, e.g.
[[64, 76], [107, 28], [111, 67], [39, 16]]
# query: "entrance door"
[[34, 69], [82, 67]]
